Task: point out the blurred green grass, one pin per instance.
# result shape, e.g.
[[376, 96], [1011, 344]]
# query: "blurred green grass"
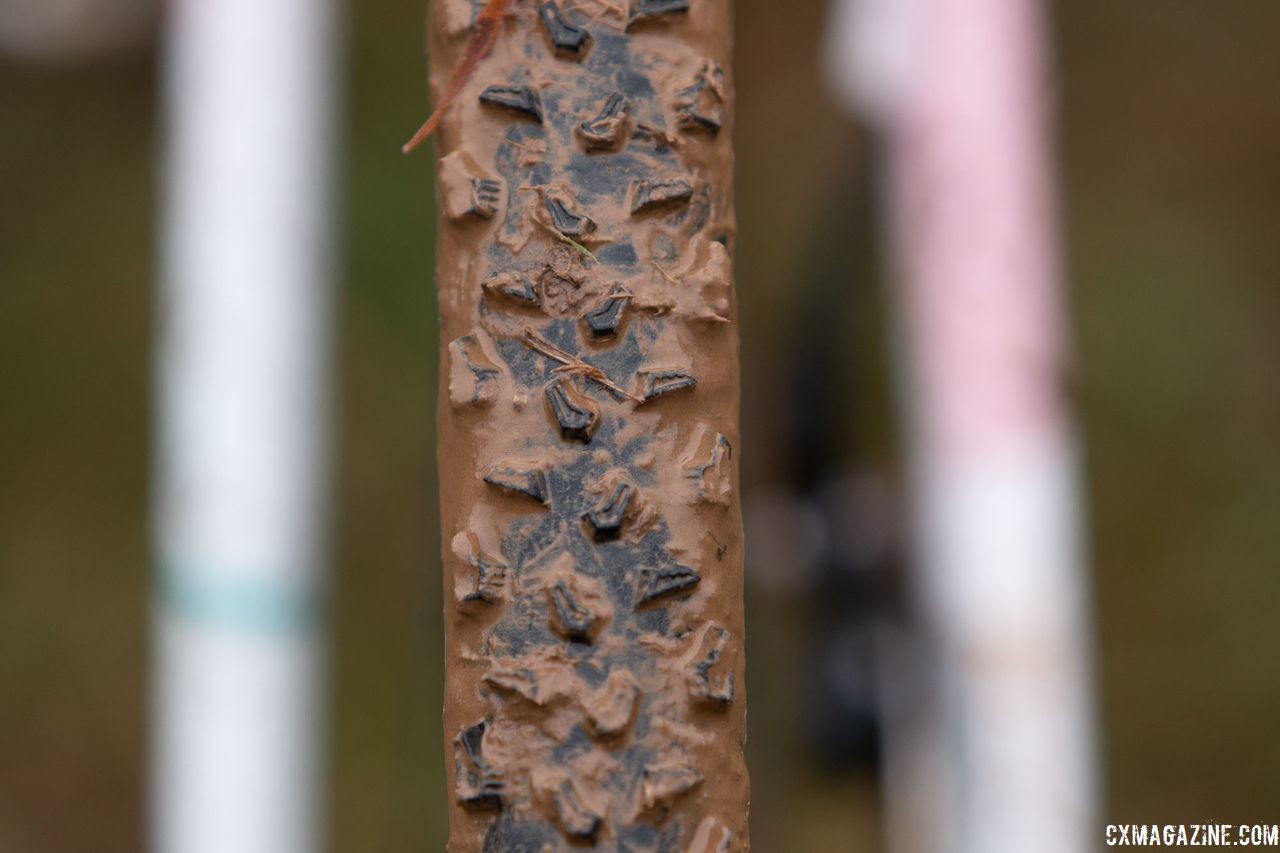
[[1169, 126]]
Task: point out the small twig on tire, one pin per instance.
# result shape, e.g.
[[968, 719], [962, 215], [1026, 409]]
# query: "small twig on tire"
[[666, 274], [484, 34], [572, 364], [659, 133], [586, 253], [556, 232], [605, 6]]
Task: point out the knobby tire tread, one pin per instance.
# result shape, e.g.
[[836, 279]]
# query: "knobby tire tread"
[[588, 428]]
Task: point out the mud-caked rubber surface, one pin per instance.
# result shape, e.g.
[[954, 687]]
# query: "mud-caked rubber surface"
[[588, 430]]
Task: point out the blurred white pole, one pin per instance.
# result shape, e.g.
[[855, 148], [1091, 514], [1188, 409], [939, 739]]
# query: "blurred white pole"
[[1002, 759], [242, 372]]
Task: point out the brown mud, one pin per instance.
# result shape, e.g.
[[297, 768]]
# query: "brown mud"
[[589, 429]]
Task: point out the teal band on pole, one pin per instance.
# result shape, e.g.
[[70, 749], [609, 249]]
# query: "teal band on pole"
[[248, 605]]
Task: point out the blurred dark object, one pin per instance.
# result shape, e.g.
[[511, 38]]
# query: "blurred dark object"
[[828, 534], [853, 600], [855, 565]]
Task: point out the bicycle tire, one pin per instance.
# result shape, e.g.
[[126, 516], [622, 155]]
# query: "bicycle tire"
[[588, 430]]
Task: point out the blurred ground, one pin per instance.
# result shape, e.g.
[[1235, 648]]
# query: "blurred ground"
[[1169, 127]]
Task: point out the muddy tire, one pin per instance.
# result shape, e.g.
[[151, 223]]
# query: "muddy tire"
[[588, 430]]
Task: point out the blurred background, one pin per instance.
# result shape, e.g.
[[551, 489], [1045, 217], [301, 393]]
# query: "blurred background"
[[1167, 128]]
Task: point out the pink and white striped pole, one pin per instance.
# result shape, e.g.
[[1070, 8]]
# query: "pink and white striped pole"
[[957, 89]]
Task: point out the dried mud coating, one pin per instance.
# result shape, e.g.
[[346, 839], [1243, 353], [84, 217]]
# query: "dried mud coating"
[[588, 431]]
